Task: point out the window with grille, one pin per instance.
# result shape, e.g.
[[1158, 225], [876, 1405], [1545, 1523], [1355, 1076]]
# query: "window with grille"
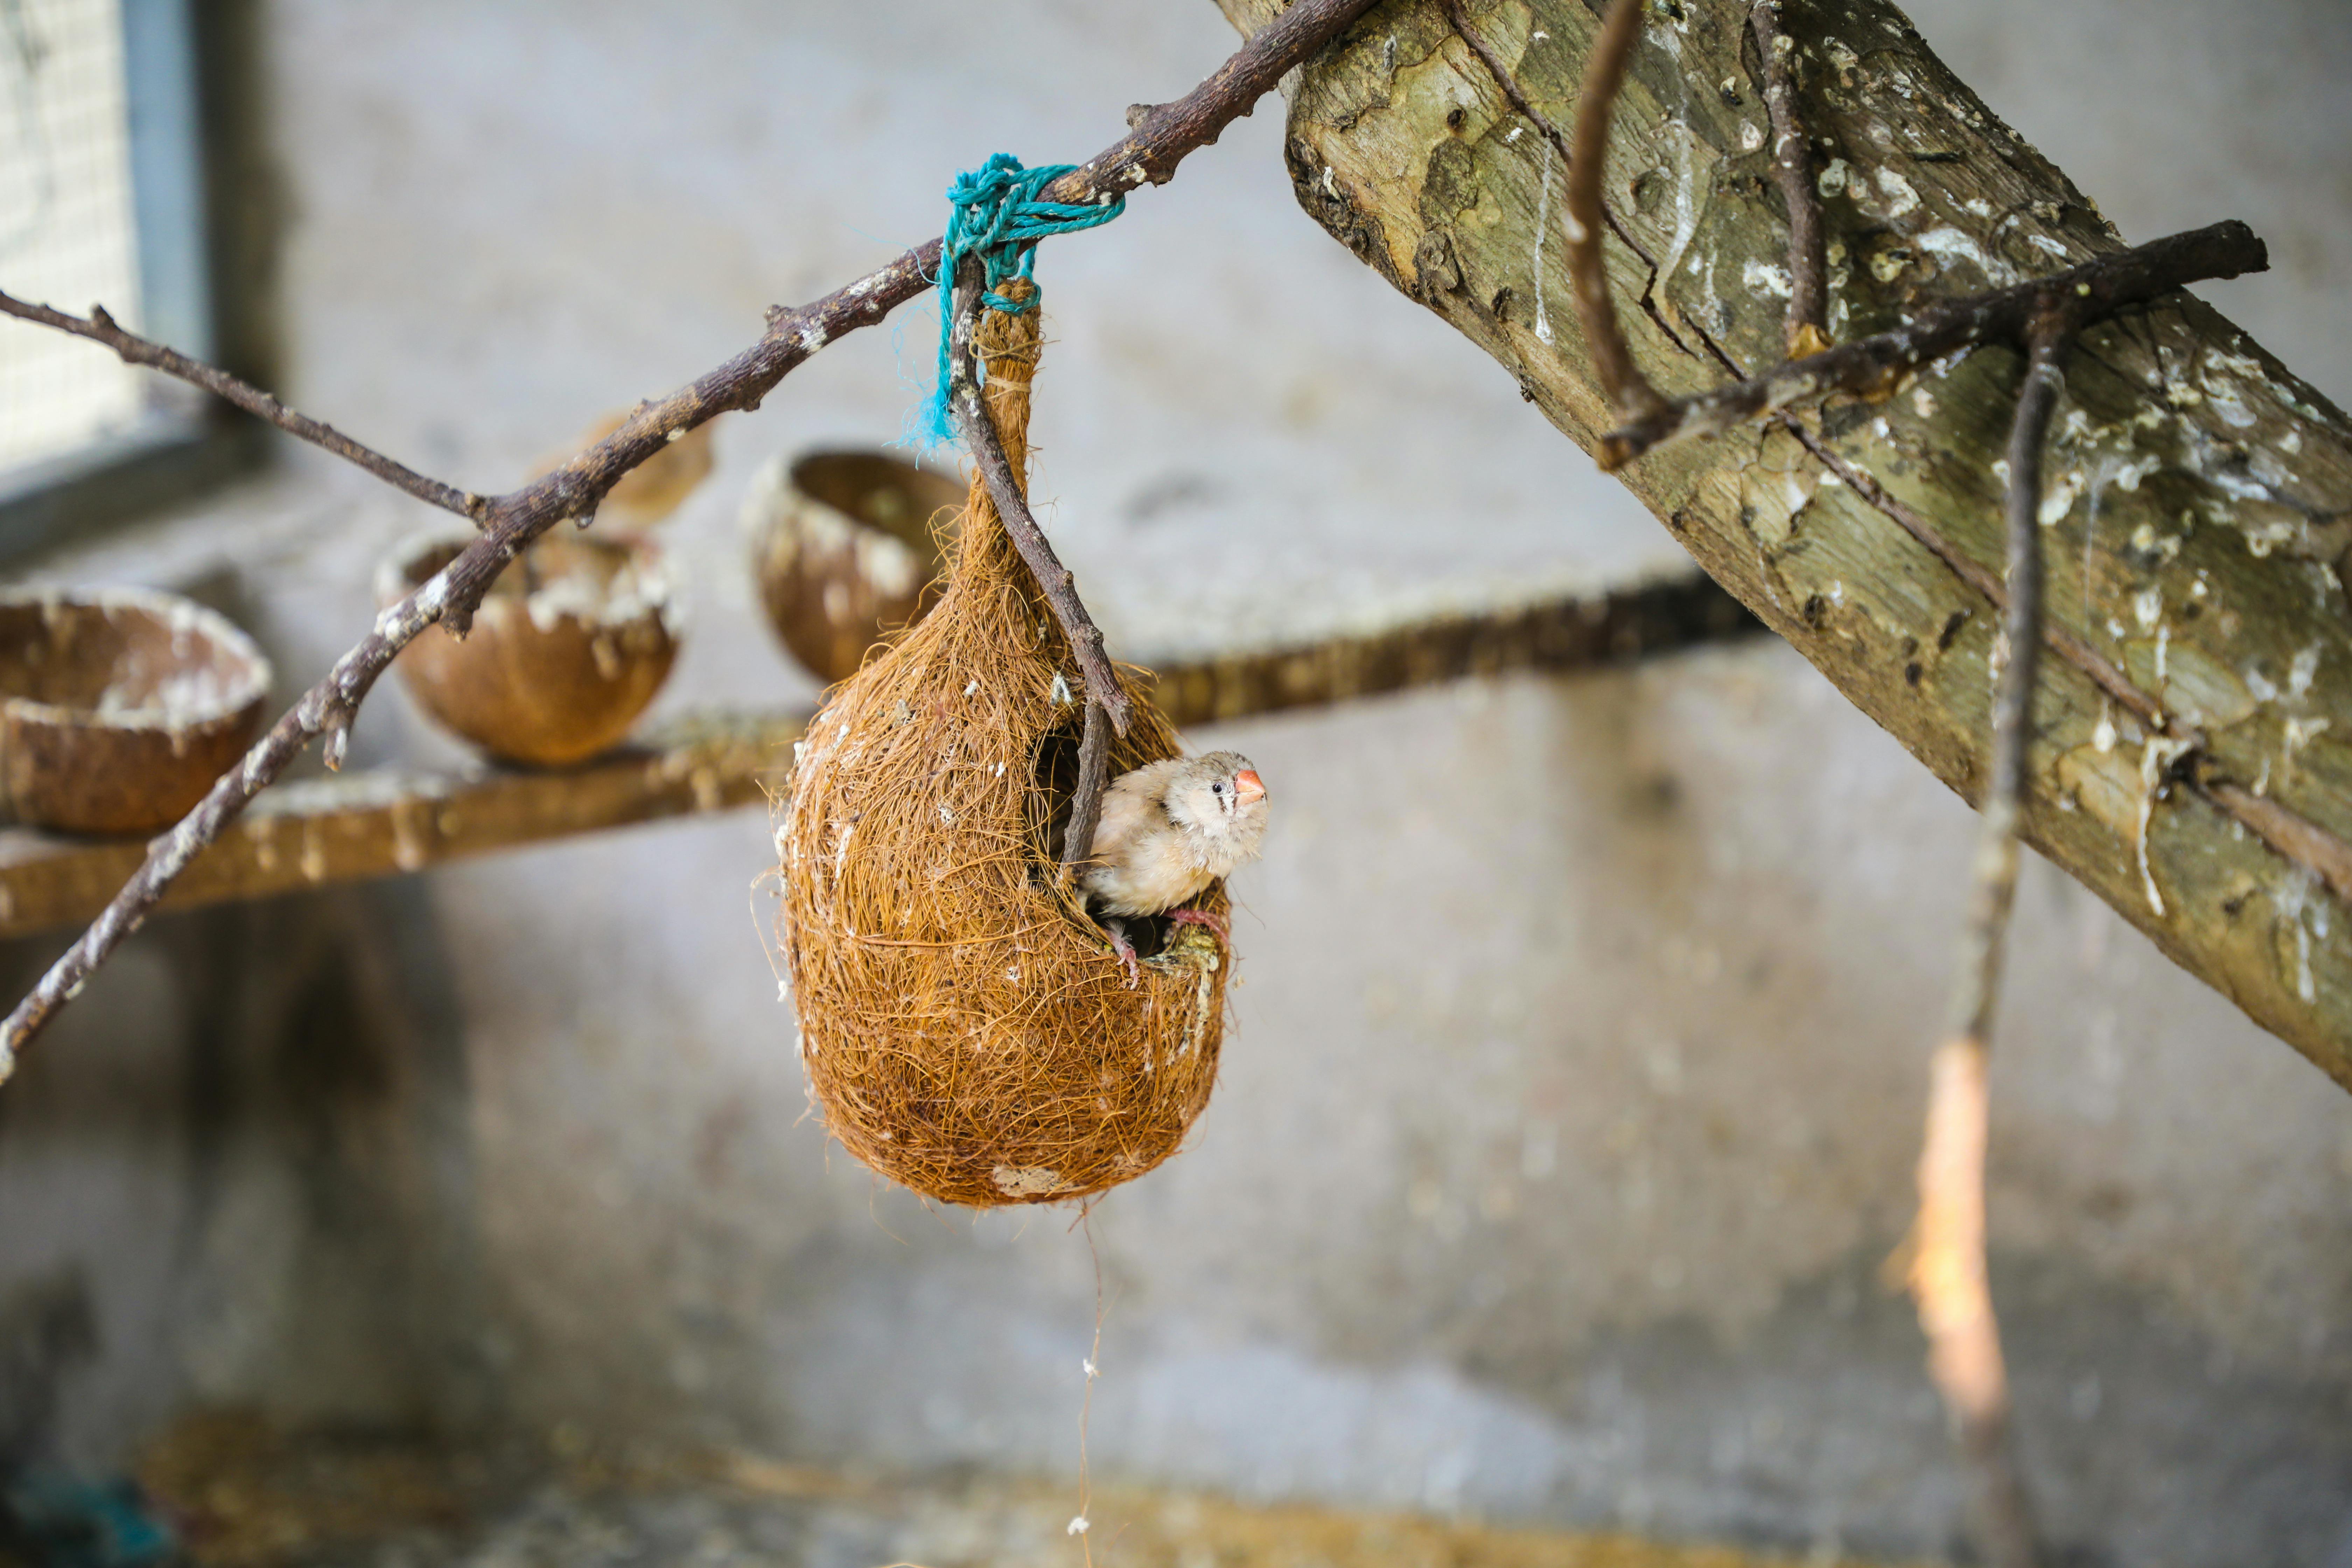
[[101, 202]]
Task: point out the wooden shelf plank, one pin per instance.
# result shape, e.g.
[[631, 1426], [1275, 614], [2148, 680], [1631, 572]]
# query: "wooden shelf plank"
[[1631, 623], [344, 828]]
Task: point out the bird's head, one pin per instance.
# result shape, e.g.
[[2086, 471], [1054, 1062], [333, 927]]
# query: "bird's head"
[[1220, 793]]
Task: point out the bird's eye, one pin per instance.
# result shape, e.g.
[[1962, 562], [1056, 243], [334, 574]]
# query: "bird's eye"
[[1217, 788]]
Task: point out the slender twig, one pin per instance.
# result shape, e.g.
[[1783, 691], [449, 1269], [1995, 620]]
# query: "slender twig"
[[450, 597], [1169, 130], [1094, 773], [2293, 836], [1793, 166], [1055, 581], [1876, 366], [131, 349], [1947, 1273], [1629, 391], [1947, 1276], [1149, 151], [1459, 18], [1978, 983], [995, 426]]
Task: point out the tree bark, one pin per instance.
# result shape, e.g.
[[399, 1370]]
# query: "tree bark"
[[2193, 761]]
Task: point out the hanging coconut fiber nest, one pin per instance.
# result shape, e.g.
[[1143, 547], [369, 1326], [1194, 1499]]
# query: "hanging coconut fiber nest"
[[965, 1026]]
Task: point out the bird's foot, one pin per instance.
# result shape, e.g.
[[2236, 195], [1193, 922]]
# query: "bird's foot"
[[1126, 951], [1204, 918]]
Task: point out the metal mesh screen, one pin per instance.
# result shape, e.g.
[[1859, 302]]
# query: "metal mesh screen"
[[68, 234]]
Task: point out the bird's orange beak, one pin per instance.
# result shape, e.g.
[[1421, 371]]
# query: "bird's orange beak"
[[1248, 786]]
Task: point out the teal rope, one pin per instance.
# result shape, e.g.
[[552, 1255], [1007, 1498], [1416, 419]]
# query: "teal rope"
[[997, 212]]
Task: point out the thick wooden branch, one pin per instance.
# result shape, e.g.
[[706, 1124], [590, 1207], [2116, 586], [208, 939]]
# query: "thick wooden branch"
[[2188, 764], [1150, 151]]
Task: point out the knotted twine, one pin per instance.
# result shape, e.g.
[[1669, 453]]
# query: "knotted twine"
[[997, 213]]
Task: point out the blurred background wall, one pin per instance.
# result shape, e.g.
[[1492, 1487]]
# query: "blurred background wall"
[[1579, 1053]]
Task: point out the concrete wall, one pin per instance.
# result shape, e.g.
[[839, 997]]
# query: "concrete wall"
[[1578, 1054]]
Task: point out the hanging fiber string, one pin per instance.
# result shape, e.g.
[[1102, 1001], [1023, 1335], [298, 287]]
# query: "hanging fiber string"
[[998, 213]]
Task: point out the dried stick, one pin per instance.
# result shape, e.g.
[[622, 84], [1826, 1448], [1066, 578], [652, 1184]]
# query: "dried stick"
[[995, 426], [1053, 579], [1094, 773], [1948, 1274], [1149, 151], [131, 349], [1792, 167], [450, 596], [1629, 391], [1459, 19], [1004, 488], [1876, 366]]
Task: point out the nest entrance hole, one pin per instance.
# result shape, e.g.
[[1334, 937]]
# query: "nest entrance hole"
[[1054, 773]]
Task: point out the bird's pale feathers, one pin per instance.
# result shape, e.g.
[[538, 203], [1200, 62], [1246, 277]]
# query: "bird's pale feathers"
[[1170, 828]]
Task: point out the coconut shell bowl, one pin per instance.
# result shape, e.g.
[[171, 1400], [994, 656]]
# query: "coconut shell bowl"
[[655, 487], [119, 707], [844, 547], [570, 645]]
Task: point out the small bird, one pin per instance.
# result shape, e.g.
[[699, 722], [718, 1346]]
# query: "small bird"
[[1169, 830]]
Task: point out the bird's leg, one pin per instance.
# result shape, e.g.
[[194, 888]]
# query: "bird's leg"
[[1125, 949], [1204, 918]]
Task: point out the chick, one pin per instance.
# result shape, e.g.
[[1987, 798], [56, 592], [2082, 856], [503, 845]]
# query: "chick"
[[1169, 830]]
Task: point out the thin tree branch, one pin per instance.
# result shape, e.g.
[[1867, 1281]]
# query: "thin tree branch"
[[1792, 167], [1978, 984], [1164, 135], [1948, 1276], [2296, 837], [131, 349], [1459, 18], [1094, 773], [1055, 581], [1876, 366], [995, 426], [1947, 1273], [1629, 391], [1150, 151]]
